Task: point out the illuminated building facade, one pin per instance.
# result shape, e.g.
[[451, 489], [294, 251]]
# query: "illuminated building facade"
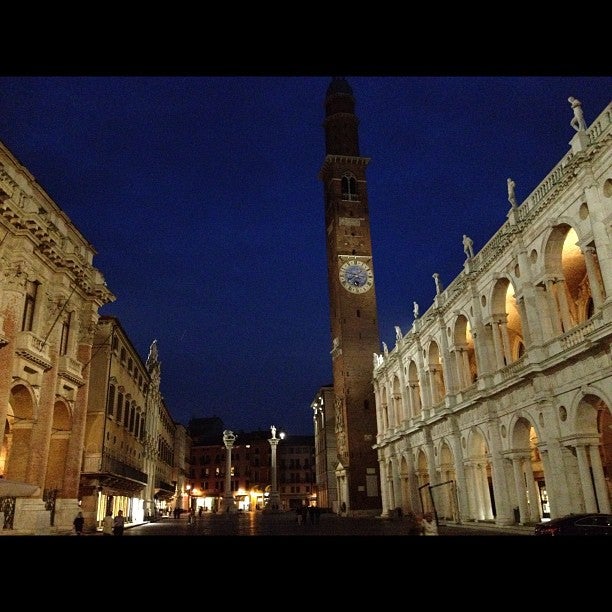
[[251, 475], [50, 295], [84, 426], [113, 474], [496, 404], [326, 456]]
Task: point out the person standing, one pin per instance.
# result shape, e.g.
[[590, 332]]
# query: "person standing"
[[429, 525], [119, 524], [79, 523], [107, 524]]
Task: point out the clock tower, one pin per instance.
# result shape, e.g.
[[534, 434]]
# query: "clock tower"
[[352, 297]]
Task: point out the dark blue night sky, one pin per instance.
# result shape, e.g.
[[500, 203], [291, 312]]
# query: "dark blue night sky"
[[202, 199]]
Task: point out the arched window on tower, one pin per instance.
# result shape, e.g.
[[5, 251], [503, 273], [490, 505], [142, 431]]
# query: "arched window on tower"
[[349, 188]]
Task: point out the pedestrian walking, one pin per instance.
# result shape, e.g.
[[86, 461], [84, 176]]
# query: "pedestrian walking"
[[119, 524], [79, 524], [107, 524]]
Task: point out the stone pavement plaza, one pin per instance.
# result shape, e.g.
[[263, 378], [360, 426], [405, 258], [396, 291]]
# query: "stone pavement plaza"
[[285, 524]]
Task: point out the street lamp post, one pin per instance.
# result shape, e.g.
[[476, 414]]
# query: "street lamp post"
[[188, 489], [229, 505], [274, 499]]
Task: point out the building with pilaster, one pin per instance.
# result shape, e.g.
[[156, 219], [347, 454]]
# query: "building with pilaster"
[[497, 404], [114, 474], [50, 294], [129, 454], [161, 435], [326, 453]]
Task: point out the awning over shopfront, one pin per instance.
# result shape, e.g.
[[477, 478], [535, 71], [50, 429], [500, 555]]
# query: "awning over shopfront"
[[13, 488]]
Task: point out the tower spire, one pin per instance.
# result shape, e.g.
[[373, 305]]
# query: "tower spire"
[[341, 123]]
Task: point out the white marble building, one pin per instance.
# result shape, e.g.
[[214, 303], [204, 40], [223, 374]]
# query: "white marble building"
[[497, 403]]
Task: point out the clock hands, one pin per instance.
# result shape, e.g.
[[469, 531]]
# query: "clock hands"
[[355, 276]]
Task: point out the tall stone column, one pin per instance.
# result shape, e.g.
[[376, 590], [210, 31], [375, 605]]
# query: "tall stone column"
[[274, 499], [228, 502], [601, 487], [519, 485], [590, 503], [11, 296], [396, 480], [535, 508], [384, 493], [41, 430]]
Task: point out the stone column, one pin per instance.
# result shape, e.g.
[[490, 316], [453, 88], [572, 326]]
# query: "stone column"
[[599, 215], [566, 316], [601, 487], [79, 421], [399, 410], [467, 375], [503, 328], [404, 400], [477, 336], [415, 402], [472, 502], [458, 363], [379, 411], [545, 319], [535, 508], [525, 323], [460, 477], [497, 345], [11, 299], [447, 374], [40, 440], [519, 484], [593, 274], [228, 502], [586, 484], [274, 499], [499, 474], [397, 482], [553, 306], [477, 479], [384, 493]]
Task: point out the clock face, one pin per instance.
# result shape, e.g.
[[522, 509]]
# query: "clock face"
[[356, 276]]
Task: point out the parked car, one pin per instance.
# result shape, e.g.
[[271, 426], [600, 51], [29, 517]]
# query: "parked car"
[[591, 524]]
